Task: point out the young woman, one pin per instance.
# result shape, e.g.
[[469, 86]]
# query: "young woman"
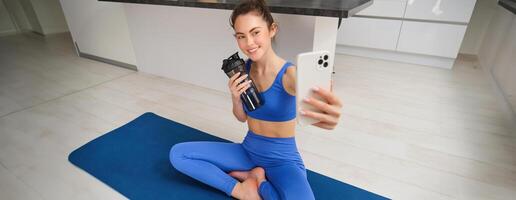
[[267, 163]]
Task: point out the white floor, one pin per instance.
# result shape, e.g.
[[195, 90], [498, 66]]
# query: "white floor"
[[407, 131]]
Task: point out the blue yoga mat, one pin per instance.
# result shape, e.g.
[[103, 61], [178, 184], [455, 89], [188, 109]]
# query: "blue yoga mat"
[[133, 160]]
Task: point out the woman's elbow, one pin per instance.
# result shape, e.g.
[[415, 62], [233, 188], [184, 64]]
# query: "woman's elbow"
[[242, 119]]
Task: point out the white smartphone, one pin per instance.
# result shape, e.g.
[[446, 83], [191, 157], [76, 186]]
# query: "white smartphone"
[[314, 69]]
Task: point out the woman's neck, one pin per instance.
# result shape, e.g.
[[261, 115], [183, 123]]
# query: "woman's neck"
[[268, 62]]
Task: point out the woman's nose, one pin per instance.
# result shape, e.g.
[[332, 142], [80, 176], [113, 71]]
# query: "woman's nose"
[[250, 41]]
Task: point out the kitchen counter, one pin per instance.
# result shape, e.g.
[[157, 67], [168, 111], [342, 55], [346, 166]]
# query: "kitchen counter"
[[508, 4], [327, 8]]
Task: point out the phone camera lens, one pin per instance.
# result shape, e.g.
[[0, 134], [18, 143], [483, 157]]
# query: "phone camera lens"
[[320, 61], [325, 57], [325, 64]]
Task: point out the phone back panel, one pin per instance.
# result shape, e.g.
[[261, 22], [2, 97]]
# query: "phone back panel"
[[313, 69]]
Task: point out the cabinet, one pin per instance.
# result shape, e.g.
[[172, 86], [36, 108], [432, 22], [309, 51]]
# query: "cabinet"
[[440, 10], [385, 8], [371, 33], [427, 32], [431, 38]]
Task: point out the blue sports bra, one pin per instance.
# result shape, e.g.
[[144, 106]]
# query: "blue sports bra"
[[279, 105]]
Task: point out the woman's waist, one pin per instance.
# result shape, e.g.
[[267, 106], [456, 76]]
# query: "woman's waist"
[[273, 146], [272, 129], [271, 150]]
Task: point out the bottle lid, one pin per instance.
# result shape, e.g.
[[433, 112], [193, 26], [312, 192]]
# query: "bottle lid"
[[232, 62]]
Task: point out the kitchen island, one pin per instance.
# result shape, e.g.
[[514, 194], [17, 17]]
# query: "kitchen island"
[[187, 40]]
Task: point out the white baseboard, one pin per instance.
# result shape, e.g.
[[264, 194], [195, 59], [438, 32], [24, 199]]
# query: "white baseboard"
[[55, 31], [104, 60], [9, 32], [432, 61], [31, 32]]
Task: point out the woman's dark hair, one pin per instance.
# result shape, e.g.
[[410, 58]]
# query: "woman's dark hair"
[[247, 6]]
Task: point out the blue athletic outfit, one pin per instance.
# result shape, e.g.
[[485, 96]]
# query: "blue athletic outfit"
[[279, 105], [210, 162]]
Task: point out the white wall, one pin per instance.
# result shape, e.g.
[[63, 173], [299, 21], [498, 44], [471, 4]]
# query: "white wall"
[[497, 56], [504, 67], [100, 29], [6, 25], [41, 16], [477, 28], [189, 44], [31, 16], [497, 30], [50, 16], [19, 15]]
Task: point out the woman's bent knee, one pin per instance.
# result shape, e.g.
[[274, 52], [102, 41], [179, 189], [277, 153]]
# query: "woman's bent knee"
[[176, 155]]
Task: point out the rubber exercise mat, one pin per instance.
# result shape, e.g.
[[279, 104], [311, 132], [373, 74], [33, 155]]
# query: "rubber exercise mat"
[[134, 160]]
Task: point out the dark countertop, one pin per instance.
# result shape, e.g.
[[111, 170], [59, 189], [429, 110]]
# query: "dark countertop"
[[509, 5], [328, 8]]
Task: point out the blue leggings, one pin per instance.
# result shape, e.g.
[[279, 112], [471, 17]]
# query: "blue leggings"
[[209, 162]]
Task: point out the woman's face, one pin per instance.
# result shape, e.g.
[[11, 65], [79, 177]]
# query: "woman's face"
[[253, 35]]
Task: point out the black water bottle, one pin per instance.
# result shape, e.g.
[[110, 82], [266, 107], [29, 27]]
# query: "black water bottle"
[[251, 97]]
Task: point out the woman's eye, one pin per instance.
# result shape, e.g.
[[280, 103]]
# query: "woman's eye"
[[240, 37], [256, 33]]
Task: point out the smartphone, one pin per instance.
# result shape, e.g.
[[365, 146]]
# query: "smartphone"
[[313, 70]]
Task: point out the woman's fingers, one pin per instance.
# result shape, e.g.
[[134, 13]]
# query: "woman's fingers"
[[232, 79], [328, 96], [321, 117], [243, 85], [235, 76], [243, 89], [239, 80], [323, 106], [235, 81], [324, 125], [329, 107]]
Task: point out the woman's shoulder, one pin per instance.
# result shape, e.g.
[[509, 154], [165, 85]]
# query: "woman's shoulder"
[[290, 70], [289, 78]]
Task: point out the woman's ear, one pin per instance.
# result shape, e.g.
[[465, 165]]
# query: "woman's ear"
[[273, 30]]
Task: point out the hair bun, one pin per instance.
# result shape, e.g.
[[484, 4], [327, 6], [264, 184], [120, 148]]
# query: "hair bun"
[[247, 6], [260, 2]]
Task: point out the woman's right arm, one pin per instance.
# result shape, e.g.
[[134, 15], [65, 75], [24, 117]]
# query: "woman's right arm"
[[236, 89], [238, 110]]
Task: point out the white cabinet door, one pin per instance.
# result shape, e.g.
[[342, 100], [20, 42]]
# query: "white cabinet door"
[[367, 32], [385, 8], [440, 10], [431, 38]]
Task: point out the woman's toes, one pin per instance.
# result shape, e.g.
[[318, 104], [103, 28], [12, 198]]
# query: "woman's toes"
[[259, 174], [240, 175]]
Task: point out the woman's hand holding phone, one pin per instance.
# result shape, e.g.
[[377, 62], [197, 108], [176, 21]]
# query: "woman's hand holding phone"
[[317, 104], [330, 108]]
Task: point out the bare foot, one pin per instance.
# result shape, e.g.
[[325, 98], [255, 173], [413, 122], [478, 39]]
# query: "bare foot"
[[247, 190], [259, 174], [240, 175]]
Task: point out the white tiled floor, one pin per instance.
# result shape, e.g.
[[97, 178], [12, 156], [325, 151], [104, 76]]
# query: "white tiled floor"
[[407, 131]]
